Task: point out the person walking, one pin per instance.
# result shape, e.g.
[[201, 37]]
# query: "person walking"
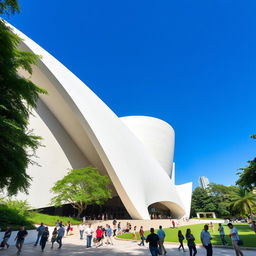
[[109, 235], [212, 227], [6, 237], [142, 237], [40, 231], [68, 227], [173, 224], [134, 233], [181, 238], [61, 233], [54, 236], [20, 238], [81, 230], [206, 240], [57, 223], [161, 235], [119, 230], [44, 238], [153, 240], [222, 234], [89, 231], [99, 234], [114, 227], [191, 242], [235, 238]]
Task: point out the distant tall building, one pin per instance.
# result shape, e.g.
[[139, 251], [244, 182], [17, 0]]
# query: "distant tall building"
[[203, 182]]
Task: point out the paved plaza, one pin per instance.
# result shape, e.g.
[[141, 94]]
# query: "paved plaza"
[[73, 246]]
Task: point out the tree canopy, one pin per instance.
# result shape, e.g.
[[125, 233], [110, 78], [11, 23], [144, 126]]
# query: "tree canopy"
[[247, 178], [225, 201], [243, 202], [8, 7], [18, 95], [81, 187]]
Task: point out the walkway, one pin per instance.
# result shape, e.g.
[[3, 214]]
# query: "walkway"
[[72, 246]]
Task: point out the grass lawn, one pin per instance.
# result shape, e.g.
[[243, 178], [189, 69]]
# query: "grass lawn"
[[50, 220], [245, 233]]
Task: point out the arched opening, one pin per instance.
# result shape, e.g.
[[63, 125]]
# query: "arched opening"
[[165, 210], [159, 211]]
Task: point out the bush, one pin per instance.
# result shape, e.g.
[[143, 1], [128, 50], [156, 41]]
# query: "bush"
[[13, 218], [22, 207]]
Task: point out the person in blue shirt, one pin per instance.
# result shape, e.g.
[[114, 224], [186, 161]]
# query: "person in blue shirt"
[[222, 234], [109, 233], [206, 240], [40, 231], [61, 233], [161, 235]]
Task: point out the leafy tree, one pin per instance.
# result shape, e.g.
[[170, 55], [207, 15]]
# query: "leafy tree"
[[222, 196], [8, 7], [18, 95], [243, 202], [247, 178], [202, 202], [216, 198], [81, 187]]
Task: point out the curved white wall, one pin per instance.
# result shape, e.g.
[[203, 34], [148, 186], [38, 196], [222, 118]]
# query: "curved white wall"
[[98, 136], [156, 135]]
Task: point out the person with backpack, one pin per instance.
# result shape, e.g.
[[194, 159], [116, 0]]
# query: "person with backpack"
[[191, 242]]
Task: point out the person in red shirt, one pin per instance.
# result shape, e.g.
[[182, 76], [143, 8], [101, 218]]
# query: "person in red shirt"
[[142, 236], [99, 234]]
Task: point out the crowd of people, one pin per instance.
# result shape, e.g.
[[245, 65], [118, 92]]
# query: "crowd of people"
[[103, 235], [156, 240]]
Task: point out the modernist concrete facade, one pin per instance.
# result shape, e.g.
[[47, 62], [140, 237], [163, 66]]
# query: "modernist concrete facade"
[[78, 129]]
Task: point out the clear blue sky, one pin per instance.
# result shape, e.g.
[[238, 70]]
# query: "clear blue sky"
[[190, 63]]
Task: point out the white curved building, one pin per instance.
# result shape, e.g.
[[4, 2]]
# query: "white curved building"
[[78, 129]]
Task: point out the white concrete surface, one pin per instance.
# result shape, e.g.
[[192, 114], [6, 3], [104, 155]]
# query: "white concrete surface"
[[79, 129]]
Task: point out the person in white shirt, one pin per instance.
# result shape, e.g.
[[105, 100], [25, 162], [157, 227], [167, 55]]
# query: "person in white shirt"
[[206, 240], [235, 238], [89, 231], [81, 230]]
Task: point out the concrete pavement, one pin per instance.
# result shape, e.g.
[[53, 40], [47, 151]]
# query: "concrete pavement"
[[73, 246]]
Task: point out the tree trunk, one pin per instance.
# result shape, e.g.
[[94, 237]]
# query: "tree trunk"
[[80, 209]]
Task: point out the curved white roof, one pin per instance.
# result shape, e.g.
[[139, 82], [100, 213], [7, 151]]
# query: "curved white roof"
[[80, 129]]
